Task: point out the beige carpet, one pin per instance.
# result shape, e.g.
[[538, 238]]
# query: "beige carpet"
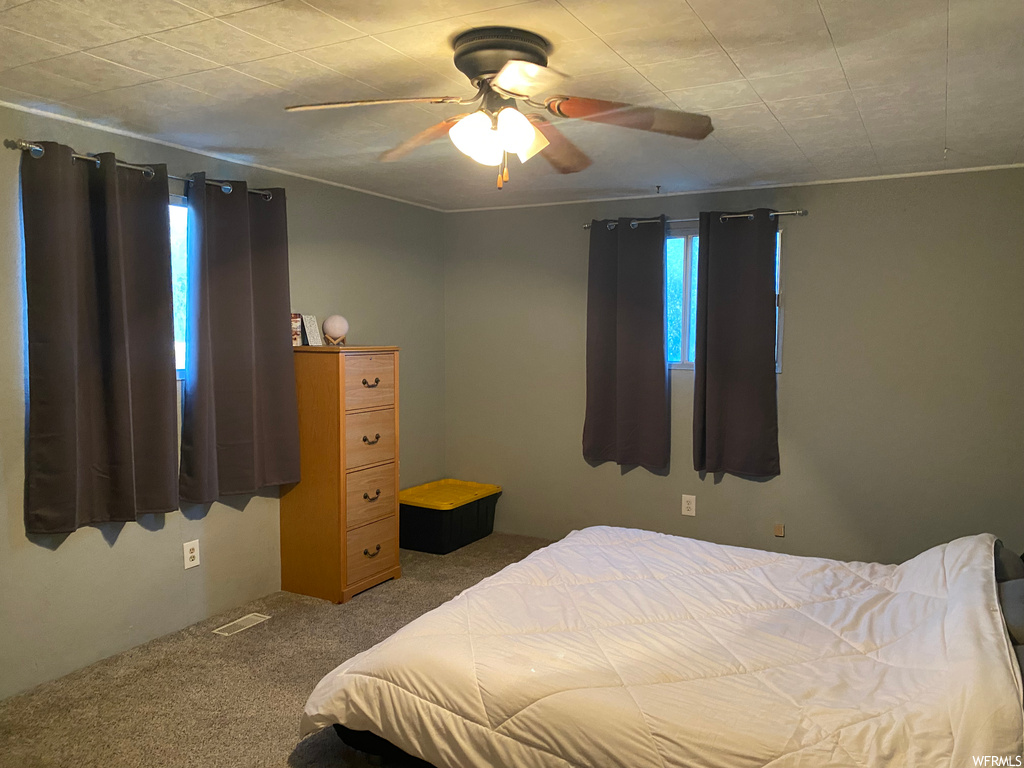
[[201, 700]]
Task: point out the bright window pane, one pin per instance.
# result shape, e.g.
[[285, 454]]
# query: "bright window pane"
[[179, 277], [778, 261], [778, 291], [675, 282], [691, 342]]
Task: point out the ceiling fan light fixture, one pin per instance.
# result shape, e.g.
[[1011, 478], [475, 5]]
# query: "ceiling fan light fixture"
[[486, 139]]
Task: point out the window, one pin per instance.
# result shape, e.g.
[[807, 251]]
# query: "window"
[[681, 298], [682, 251], [179, 279]]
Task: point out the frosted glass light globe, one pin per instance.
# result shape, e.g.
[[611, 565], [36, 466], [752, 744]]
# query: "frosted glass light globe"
[[515, 132], [474, 136]]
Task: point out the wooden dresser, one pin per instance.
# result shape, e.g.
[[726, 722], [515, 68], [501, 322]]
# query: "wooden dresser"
[[339, 524]]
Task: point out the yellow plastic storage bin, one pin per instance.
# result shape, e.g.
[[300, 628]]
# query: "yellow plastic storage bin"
[[442, 516]]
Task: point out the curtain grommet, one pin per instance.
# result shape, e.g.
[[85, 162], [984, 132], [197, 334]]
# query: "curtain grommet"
[[633, 224]]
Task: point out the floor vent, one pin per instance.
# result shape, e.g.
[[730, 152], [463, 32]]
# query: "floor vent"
[[239, 625]]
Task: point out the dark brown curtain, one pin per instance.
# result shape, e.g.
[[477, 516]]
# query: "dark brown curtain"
[[101, 443], [735, 416], [240, 420], [627, 417]]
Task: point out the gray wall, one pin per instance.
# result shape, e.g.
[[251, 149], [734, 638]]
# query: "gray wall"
[[68, 601], [901, 400]]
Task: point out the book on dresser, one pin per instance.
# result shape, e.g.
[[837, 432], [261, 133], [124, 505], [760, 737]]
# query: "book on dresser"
[[339, 523]]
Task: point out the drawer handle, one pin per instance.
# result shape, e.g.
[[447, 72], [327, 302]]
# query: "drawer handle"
[[368, 497], [368, 441], [368, 385], [368, 553]]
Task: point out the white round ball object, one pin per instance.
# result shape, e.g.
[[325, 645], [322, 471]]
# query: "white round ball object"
[[336, 327]]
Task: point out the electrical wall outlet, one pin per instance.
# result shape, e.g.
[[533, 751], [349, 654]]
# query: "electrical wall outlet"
[[191, 553], [780, 530], [689, 506]]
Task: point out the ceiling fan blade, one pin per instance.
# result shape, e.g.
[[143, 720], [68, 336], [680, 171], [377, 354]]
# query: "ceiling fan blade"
[[668, 121], [522, 79], [369, 102], [564, 156], [433, 133]]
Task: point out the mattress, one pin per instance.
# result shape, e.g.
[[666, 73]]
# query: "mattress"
[[620, 647]]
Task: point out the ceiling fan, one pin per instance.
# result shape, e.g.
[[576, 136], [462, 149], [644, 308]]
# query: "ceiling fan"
[[506, 64]]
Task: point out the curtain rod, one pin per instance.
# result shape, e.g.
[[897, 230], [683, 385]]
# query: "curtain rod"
[[37, 151], [723, 217]]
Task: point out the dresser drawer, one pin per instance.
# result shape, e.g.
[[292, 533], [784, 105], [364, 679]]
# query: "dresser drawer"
[[369, 438], [371, 549], [371, 494], [369, 381]]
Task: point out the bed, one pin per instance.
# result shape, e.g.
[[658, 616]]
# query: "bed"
[[620, 647]]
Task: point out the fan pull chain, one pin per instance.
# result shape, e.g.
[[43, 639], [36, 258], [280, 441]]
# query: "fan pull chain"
[[503, 170]]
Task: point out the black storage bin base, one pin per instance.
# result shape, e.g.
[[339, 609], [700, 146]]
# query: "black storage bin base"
[[440, 531]]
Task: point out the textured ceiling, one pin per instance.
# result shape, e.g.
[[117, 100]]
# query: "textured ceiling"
[[798, 90]]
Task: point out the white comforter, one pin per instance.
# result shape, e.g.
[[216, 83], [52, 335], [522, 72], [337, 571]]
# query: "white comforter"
[[618, 647]]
